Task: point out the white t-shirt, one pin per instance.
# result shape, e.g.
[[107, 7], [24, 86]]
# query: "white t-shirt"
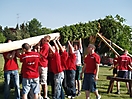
[[78, 56]]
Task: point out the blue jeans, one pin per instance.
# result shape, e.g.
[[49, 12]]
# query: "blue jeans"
[[7, 78], [71, 90], [58, 78]]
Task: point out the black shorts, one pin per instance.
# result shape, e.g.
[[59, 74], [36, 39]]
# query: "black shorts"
[[115, 71]]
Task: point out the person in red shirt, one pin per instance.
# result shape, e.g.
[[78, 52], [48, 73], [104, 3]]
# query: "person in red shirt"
[[114, 67], [91, 70], [50, 78], [70, 72], [130, 72], [124, 61], [43, 64], [30, 71], [64, 56], [57, 70], [11, 72]]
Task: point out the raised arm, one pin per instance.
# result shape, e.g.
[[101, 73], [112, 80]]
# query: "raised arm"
[[71, 47], [56, 46], [11, 55], [60, 46], [51, 48], [80, 43]]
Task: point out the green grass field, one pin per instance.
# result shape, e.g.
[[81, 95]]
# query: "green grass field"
[[102, 85]]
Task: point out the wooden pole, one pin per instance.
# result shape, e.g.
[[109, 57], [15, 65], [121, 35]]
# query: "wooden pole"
[[5, 47], [115, 45], [108, 44]]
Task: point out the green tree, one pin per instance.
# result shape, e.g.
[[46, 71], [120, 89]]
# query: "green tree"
[[115, 30], [34, 27], [2, 37], [9, 34], [24, 31], [111, 27]]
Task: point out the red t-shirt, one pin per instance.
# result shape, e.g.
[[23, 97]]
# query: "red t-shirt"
[[10, 64], [123, 62], [91, 61], [30, 62], [64, 56], [44, 54], [71, 65], [115, 61], [56, 63], [50, 58]]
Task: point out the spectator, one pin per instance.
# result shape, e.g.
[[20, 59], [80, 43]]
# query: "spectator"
[[11, 72], [91, 70]]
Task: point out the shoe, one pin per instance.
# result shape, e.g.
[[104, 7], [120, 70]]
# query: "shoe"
[[118, 92], [72, 97], [79, 93], [40, 97], [98, 97], [47, 98], [69, 97]]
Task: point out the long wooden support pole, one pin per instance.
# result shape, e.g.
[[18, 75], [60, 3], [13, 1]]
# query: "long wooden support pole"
[[108, 44], [5, 47], [104, 40], [116, 45]]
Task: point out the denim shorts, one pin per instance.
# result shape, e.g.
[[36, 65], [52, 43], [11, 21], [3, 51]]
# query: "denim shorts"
[[28, 84], [122, 74], [89, 83]]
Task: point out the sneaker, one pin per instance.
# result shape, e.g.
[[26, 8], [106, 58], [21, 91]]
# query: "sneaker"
[[98, 97], [69, 97], [118, 92], [47, 98], [40, 97], [72, 97], [128, 92], [79, 93]]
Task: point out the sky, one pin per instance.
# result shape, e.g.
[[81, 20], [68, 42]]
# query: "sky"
[[57, 13]]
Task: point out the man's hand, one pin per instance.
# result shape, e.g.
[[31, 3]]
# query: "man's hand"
[[81, 76], [96, 78]]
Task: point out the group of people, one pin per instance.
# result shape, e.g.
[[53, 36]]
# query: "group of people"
[[122, 67], [50, 63]]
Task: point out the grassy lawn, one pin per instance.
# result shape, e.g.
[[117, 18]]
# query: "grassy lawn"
[[102, 85]]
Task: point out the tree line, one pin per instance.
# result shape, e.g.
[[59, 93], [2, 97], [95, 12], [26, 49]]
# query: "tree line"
[[113, 28]]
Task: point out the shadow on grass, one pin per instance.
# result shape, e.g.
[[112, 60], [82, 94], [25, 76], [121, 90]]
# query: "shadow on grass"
[[1, 87], [112, 95]]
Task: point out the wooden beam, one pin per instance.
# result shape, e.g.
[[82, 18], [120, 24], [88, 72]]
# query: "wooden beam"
[[108, 44], [115, 45], [5, 47]]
